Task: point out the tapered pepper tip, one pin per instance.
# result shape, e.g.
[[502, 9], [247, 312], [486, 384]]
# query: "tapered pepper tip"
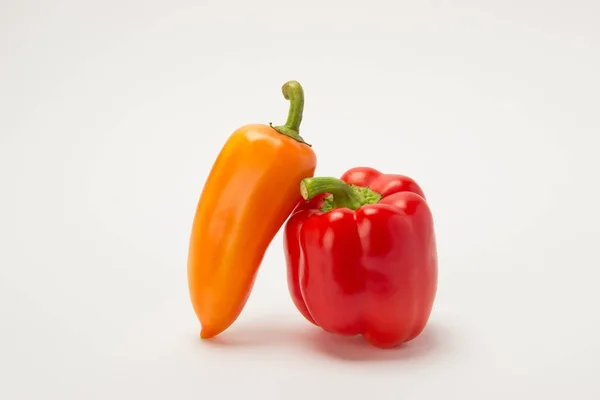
[[208, 333]]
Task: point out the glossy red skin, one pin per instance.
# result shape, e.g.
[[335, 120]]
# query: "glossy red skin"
[[372, 271]]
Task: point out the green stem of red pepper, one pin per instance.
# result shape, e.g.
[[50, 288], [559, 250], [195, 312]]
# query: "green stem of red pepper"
[[292, 91], [342, 195]]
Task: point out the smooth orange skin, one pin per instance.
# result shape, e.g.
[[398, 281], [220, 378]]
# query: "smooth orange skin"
[[250, 192]]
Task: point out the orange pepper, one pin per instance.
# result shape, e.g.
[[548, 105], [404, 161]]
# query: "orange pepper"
[[250, 192]]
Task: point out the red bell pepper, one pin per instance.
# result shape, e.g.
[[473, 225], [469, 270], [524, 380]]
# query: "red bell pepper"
[[361, 256]]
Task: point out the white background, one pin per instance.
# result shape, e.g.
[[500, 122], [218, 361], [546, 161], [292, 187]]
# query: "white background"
[[111, 115]]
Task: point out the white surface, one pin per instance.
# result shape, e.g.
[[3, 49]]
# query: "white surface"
[[111, 114]]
